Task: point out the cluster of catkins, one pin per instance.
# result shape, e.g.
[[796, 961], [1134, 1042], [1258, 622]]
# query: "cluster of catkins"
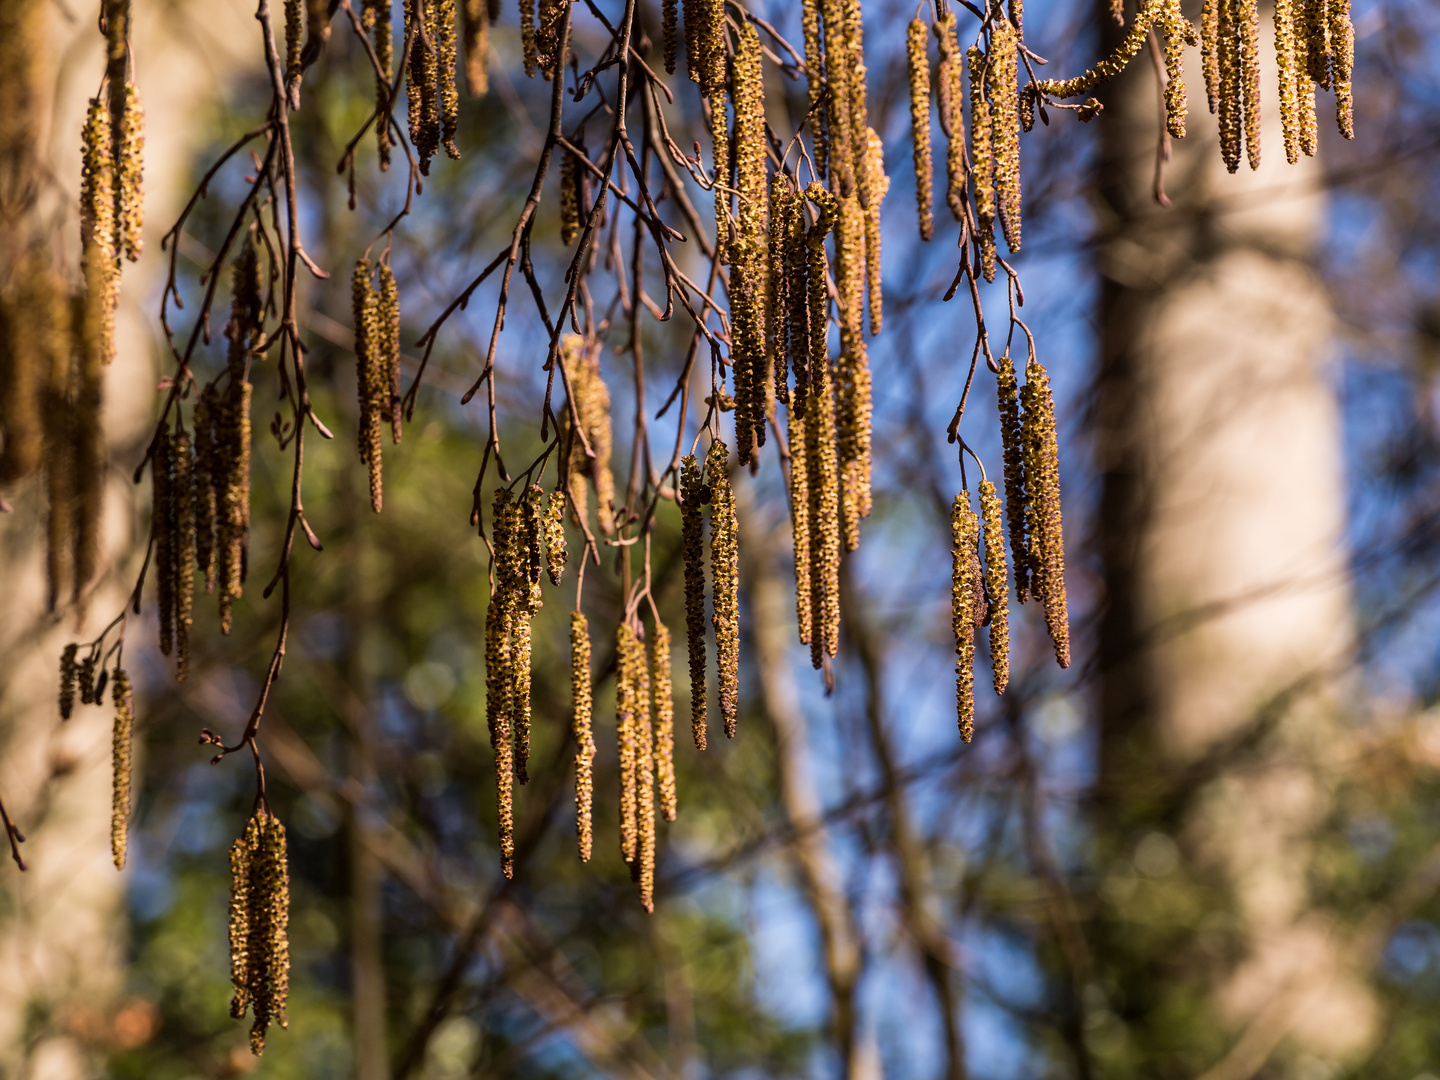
[[259, 925], [80, 676], [645, 737], [377, 365]]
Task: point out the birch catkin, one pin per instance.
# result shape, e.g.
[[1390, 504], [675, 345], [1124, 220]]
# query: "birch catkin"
[[130, 165], [644, 781], [1001, 86], [582, 705], [664, 712], [1046, 533], [259, 926], [692, 539], [952, 121], [725, 580], [630, 661], [182, 462], [982, 159], [962, 611], [376, 19], [1007, 391], [369, 378], [121, 736], [918, 69], [748, 253], [996, 586], [499, 681]]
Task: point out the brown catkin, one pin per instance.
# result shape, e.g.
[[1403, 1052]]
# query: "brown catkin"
[[99, 257], [527, 35], [183, 478], [553, 526], [365, 306], [630, 660], [822, 482], [1232, 103], [294, 39], [918, 68], [498, 683], [162, 527], [235, 503], [203, 489], [784, 232], [242, 853], [86, 678], [800, 523], [449, 91], [526, 564], [130, 165], [1007, 392], [879, 188], [962, 613], [692, 539], [996, 585], [660, 685], [859, 109], [1179, 33], [376, 19], [837, 82], [1248, 12], [720, 152], [982, 157], [712, 46], [668, 22], [388, 323], [748, 254], [476, 35], [69, 670], [592, 403], [120, 760], [1342, 60], [1042, 477], [421, 81], [1289, 75], [952, 116], [644, 782], [582, 725], [1001, 91], [815, 84], [724, 580], [1210, 48], [1317, 37], [569, 199], [259, 926]]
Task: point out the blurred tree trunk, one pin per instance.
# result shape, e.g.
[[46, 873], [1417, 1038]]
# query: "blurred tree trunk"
[[61, 922], [1226, 613]]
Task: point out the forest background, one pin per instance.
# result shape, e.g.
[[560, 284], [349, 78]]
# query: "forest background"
[[1208, 849]]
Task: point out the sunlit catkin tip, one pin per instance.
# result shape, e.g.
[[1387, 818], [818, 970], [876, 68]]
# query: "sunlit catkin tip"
[[918, 68], [120, 741], [692, 537], [660, 685], [725, 580], [962, 600], [581, 704], [996, 585]]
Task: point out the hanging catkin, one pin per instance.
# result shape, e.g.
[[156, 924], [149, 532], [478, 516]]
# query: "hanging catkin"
[[724, 580], [569, 197], [233, 433], [1210, 49], [720, 152], [183, 479], [996, 585], [962, 600], [859, 109], [918, 67], [800, 523], [449, 92], [822, 481], [784, 233], [837, 61], [668, 22], [259, 926], [422, 80], [162, 511], [120, 741], [644, 782], [130, 167], [982, 158], [97, 234], [748, 254], [369, 377], [499, 680], [692, 539], [851, 378], [1342, 59], [815, 85], [630, 661], [527, 36], [476, 35], [376, 19], [1043, 522], [69, 673], [87, 463], [554, 526], [388, 325], [581, 703], [952, 117], [1007, 391], [294, 39], [664, 695], [203, 490], [524, 586], [1285, 59], [1001, 90], [592, 403]]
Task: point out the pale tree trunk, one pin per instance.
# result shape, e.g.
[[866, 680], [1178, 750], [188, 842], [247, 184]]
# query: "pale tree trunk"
[[1226, 613], [61, 922]]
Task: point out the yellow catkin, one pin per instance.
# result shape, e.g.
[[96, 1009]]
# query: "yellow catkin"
[[1317, 37], [182, 462], [1210, 48], [692, 538], [259, 926], [918, 67], [69, 671], [554, 529], [815, 84], [376, 19], [582, 706], [449, 92], [660, 685], [365, 311], [982, 159], [88, 461], [121, 766], [1178, 34], [162, 511], [822, 480], [837, 82], [130, 199], [294, 39], [1001, 92], [629, 657], [388, 323], [524, 583], [952, 114], [1342, 59], [421, 82], [644, 782], [720, 152], [851, 382], [784, 232], [879, 188], [996, 585], [725, 580], [206, 471], [527, 35], [800, 523], [748, 253], [1042, 479], [476, 40], [850, 268], [97, 233], [1248, 17], [859, 109], [1007, 392], [232, 479], [962, 603], [498, 684], [592, 402], [1289, 75], [1232, 87], [569, 199], [712, 46], [797, 272], [1151, 13]]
